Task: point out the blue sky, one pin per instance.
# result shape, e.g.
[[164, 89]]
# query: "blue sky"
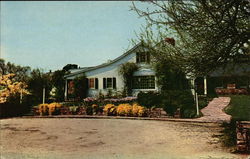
[[50, 35]]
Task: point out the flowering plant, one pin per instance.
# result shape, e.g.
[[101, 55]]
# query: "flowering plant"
[[10, 88], [49, 108], [138, 110], [110, 109], [43, 108], [124, 109]]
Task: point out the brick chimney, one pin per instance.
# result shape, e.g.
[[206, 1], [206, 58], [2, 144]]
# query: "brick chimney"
[[170, 41]]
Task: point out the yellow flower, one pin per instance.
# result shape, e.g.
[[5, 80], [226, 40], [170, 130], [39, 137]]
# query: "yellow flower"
[[11, 88], [110, 109]]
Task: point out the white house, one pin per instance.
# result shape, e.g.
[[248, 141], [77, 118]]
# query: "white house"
[[106, 76]]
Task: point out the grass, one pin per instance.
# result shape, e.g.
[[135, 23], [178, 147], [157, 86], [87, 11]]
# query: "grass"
[[239, 107]]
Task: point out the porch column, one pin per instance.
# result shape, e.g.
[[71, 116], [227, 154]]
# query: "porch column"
[[205, 85], [66, 90]]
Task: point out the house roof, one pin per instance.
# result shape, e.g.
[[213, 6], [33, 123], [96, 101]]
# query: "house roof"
[[86, 69], [232, 69]]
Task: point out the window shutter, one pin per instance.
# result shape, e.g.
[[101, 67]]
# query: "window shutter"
[[96, 83], [114, 83], [87, 83], [137, 57], [104, 83]]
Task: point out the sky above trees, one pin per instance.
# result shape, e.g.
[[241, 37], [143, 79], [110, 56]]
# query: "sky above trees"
[[50, 35]]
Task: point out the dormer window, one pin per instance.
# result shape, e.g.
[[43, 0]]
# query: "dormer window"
[[142, 57]]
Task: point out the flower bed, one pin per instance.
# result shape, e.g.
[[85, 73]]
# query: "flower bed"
[[92, 106], [226, 91]]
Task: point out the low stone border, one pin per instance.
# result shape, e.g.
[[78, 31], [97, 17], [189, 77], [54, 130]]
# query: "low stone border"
[[243, 136], [121, 117]]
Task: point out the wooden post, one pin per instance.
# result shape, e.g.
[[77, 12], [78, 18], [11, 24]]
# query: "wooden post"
[[66, 90], [43, 95], [21, 96], [197, 104]]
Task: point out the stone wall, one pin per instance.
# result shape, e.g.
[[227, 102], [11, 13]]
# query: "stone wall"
[[243, 136]]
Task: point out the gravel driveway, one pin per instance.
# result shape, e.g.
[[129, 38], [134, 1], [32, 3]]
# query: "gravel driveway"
[[109, 139]]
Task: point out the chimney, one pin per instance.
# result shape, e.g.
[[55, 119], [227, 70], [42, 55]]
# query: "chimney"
[[170, 41]]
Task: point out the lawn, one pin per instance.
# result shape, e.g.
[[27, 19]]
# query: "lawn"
[[239, 107]]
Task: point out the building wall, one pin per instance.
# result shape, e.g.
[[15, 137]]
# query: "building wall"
[[111, 71]]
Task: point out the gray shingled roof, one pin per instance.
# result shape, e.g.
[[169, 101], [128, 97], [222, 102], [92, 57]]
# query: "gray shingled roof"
[[86, 69]]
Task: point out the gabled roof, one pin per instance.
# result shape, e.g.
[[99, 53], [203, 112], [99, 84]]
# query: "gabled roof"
[[86, 69]]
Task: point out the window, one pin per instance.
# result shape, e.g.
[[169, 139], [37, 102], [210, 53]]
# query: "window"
[[109, 83], [143, 82], [142, 57], [70, 87], [93, 83]]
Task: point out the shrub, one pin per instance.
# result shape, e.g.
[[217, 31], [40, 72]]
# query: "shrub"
[[43, 109], [149, 99], [110, 109], [73, 109], [80, 87], [174, 99], [89, 110], [54, 108], [138, 110], [124, 110], [96, 109], [229, 137], [169, 106]]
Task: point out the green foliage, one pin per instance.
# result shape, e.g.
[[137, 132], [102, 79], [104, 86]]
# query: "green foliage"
[[149, 99], [109, 93], [69, 66], [89, 110], [229, 137], [80, 87], [73, 109], [169, 76], [183, 99], [170, 101], [36, 83], [239, 107], [14, 108], [21, 72], [127, 70], [203, 101], [59, 83], [207, 33]]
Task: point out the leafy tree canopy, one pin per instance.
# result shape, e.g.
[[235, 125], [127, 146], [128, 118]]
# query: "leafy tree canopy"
[[208, 34], [70, 66]]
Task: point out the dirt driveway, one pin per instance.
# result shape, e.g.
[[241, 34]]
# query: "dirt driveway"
[[109, 139]]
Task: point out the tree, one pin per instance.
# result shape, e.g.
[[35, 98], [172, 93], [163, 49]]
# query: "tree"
[[21, 72], [37, 81], [59, 83], [80, 87], [11, 88], [208, 34], [70, 66], [170, 77]]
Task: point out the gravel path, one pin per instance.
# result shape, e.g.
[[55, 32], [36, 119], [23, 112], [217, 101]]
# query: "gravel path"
[[214, 111], [109, 139]]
